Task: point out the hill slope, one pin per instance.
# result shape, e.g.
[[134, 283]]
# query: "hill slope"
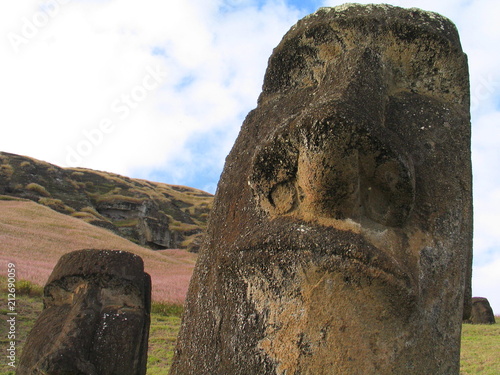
[[155, 215], [34, 237]]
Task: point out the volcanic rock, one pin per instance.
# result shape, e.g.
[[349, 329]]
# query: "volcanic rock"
[[95, 319], [482, 313], [340, 238]]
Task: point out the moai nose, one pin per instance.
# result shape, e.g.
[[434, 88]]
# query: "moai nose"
[[328, 173], [336, 168]]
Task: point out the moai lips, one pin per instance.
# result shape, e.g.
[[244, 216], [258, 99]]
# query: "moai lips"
[[340, 238]]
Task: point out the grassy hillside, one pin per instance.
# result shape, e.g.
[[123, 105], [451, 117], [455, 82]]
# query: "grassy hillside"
[[34, 237], [480, 343], [152, 214]]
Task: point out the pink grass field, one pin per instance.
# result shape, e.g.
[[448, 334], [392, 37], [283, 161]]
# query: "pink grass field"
[[34, 237]]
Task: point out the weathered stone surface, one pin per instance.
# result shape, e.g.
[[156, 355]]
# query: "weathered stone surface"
[[95, 319], [482, 313], [151, 225], [340, 238]]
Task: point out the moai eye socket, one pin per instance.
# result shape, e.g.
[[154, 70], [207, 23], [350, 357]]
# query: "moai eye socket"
[[283, 197], [387, 183], [341, 172], [273, 176], [387, 192]]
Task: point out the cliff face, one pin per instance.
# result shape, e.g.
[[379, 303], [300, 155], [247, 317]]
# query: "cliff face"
[[156, 215]]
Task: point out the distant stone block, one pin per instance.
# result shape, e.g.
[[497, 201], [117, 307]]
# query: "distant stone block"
[[482, 313]]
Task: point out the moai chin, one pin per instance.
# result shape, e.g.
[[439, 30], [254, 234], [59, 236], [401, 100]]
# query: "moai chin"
[[95, 319], [341, 234]]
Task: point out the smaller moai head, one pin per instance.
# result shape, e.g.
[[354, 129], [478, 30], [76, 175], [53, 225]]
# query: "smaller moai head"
[[95, 319], [482, 313]]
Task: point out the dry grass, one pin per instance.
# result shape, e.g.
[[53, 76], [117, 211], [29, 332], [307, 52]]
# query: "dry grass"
[[35, 237], [38, 189]]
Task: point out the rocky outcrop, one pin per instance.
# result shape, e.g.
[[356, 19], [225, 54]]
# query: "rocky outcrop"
[[147, 223], [96, 317], [482, 313], [155, 215], [340, 238]]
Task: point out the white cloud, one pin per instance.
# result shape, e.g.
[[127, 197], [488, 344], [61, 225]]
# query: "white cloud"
[[65, 78]]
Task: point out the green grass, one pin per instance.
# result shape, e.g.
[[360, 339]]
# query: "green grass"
[[165, 323], [480, 343], [28, 306], [480, 349]]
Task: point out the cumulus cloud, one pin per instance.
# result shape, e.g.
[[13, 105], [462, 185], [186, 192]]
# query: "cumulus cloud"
[[85, 66]]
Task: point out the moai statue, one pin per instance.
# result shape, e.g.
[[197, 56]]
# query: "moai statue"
[[482, 313], [340, 238], [95, 319]]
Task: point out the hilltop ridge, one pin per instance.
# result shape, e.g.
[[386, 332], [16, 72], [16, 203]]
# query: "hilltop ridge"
[[151, 214]]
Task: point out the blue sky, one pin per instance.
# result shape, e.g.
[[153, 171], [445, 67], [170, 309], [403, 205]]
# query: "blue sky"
[[159, 89]]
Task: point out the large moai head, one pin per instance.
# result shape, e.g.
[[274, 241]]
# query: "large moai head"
[[95, 319], [340, 238]]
